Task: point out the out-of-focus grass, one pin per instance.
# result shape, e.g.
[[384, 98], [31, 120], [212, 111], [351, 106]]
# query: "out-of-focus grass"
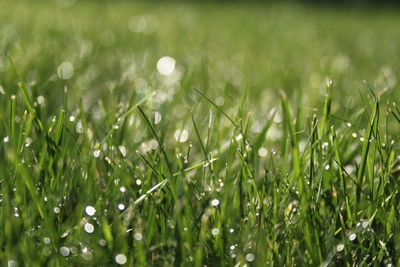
[[208, 165]]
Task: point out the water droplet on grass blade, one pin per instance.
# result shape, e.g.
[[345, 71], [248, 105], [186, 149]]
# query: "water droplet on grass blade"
[[40, 99], [65, 70], [166, 66], [339, 247], [120, 259], [96, 153], [215, 202], [157, 117], [64, 251], [250, 257], [89, 228], [215, 231], [79, 127], [122, 149], [352, 237], [138, 236], [262, 152], [181, 135], [90, 210]]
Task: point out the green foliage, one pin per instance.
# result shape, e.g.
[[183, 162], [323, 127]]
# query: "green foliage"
[[104, 160]]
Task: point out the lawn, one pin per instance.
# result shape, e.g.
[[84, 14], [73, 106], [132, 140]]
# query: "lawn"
[[218, 134]]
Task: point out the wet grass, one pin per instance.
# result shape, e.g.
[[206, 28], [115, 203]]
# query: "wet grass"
[[269, 137]]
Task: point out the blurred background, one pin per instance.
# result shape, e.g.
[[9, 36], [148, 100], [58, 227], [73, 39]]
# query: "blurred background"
[[241, 53]]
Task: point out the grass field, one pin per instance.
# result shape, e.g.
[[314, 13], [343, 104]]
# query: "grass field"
[[198, 134]]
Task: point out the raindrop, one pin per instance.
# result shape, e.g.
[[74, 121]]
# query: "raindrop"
[[46, 240], [71, 118], [122, 189], [56, 210], [12, 263], [6, 139], [121, 206]]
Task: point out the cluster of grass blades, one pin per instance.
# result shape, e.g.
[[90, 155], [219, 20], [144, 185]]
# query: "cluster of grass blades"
[[329, 196]]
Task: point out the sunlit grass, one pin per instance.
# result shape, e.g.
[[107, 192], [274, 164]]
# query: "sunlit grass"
[[204, 134]]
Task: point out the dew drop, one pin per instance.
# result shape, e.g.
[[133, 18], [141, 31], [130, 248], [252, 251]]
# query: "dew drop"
[[215, 231], [250, 257], [157, 117], [138, 236], [79, 127], [90, 210], [166, 66], [120, 259], [364, 224], [262, 152], [352, 237], [327, 167], [215, 202], [122, 149], [96, 153], [339, 247], [181, 135], [64, 251], [89, 228], [65, 70], [40, 99]]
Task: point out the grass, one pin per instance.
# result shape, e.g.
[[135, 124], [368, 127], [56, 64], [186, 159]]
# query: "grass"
[[245, 154]]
